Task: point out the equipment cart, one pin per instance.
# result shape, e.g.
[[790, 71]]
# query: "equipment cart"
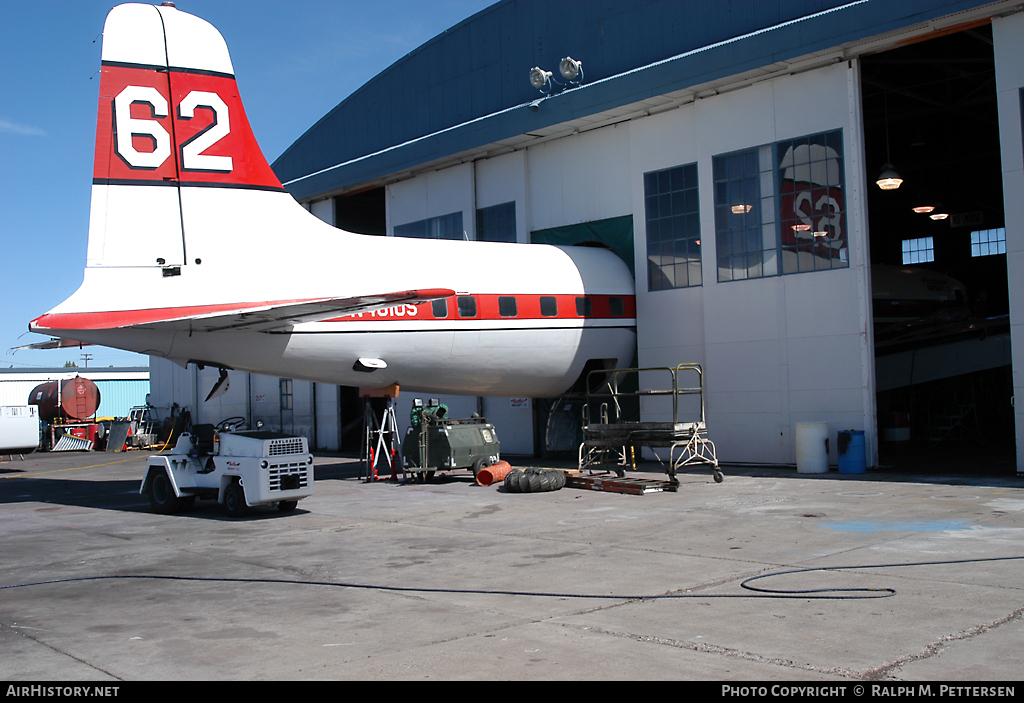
[[610, 443]]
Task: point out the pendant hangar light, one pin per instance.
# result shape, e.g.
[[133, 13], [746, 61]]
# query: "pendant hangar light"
[[888, 179]]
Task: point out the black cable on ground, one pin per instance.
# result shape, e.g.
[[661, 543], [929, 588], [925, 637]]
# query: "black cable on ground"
[[810, 594]]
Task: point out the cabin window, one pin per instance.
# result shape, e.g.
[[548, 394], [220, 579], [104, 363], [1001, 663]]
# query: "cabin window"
[[440, 308], [616, 306], [507, 306], [548, 306], [467, 306], [672, 211], [583, 306], [918, 251]]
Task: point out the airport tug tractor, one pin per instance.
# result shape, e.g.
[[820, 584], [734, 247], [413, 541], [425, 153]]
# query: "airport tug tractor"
[[238, 469], [435, 442]]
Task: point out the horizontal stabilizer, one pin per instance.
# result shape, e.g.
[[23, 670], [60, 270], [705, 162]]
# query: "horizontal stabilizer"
[[54, 343], [262, 317]]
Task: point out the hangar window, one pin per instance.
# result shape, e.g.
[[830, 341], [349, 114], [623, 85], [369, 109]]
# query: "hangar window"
[[548, 306], [918, 251], [285, 384], [443, 227], [440, 308], [781, 202], [812, 203], [988, 242], [496, 223], [506, 306], [745, 214], [467, 306], [672, 211]]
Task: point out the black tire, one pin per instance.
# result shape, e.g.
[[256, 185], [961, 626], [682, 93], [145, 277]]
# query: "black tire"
[[161, 493], [286, 506], [234, 500], [534, 480], [480, 463], [719, 477]]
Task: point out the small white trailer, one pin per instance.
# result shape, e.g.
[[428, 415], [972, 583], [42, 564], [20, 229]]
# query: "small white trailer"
[[19, 429]]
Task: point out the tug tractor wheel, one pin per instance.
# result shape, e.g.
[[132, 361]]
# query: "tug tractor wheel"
[[286, 506], [234, 500], [161, 494]]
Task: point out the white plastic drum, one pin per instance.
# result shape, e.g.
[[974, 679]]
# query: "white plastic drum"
[[812, 447]]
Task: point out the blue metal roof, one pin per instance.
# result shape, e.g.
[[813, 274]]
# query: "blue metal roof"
[[468, 86]]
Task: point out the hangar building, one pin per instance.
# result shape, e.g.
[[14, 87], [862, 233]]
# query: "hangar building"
[[729, 153]]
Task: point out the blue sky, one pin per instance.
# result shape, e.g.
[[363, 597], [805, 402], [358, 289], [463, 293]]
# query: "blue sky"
[[293, 62]]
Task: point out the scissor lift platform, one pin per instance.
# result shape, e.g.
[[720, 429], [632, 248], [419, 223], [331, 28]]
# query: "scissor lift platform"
[[610, 444]]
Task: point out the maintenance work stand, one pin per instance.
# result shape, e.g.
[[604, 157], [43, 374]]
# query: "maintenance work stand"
[[610, 442]]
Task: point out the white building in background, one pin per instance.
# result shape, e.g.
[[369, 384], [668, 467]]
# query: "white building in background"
[[728, 154]]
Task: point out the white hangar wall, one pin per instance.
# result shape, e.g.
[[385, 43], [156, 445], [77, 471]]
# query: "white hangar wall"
[[777, 350], [1008, 45]]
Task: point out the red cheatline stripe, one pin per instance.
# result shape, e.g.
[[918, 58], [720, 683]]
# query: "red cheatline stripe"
[[488, 308]]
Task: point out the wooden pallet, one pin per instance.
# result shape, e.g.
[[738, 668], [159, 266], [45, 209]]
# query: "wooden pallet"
[[632, 486]]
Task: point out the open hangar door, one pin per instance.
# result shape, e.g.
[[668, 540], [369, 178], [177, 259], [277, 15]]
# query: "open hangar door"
[[938, 254]]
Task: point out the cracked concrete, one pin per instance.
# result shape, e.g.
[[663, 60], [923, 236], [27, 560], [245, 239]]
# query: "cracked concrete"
[[452, 580]]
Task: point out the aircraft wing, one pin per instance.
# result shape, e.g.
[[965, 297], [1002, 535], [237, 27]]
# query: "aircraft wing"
[[263, 317]]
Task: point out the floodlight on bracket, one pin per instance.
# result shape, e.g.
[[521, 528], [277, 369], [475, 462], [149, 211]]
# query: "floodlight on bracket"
[[571, 70], [544, 81], [540, 79]]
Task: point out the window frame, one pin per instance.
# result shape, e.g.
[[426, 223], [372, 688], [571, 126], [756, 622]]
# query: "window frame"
[[497, 219], [448, 226], [673, 228], [919, 250], [797, 183]]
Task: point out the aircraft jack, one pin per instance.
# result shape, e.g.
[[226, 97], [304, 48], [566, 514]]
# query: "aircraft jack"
[[380, 436]]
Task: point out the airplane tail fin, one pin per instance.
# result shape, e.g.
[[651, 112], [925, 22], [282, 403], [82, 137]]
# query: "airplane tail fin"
[[189, 228], [170, 119]]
